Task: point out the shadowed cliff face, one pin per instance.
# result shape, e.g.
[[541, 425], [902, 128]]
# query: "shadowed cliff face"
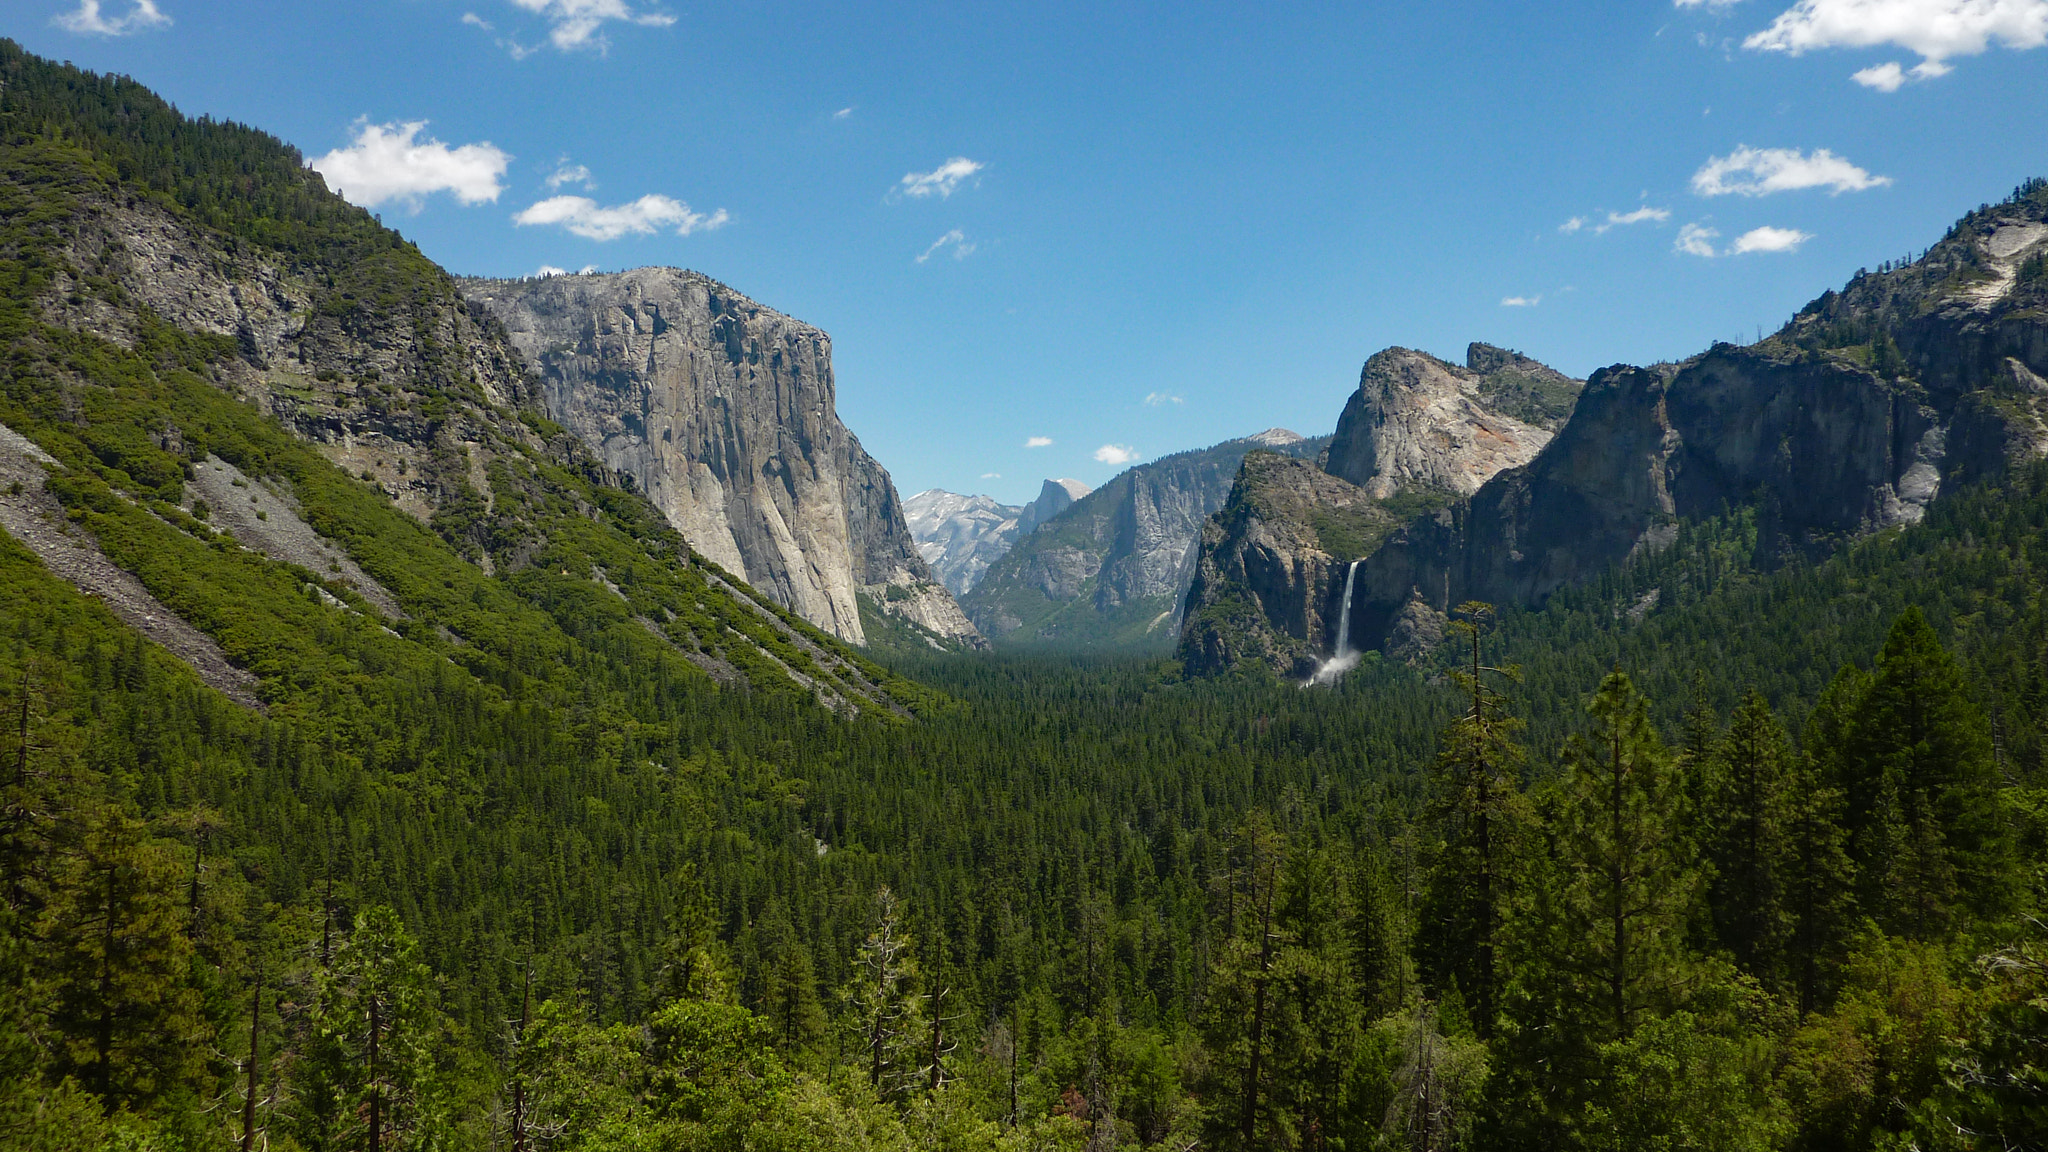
[[1112, 570], [1849, 420], [1418, 434], [723, 412]]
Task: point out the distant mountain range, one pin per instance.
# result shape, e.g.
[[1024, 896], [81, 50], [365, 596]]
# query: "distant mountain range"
[[960, 536], [1111, 571]]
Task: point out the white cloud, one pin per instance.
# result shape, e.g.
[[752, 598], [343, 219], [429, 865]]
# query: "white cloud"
[[1520, 301], [1039, 442], [842, 114], [1160, 399], [991, 475], [476, 21], [1710, 5], [1640, 215], [567, 173], [939, 181], [390, 162], [1761, 171], [1935, 29], [88, 20], [1768, 239], [643, 217], [576, 24], [1889, 77], [962, 246], [1695, 240], [1572, 225], [547, 270], [1116, 454]]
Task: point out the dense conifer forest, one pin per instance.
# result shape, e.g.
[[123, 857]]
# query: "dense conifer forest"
[[1761, 867]]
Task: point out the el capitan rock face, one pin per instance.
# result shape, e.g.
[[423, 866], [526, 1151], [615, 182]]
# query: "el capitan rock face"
[[723, 412]]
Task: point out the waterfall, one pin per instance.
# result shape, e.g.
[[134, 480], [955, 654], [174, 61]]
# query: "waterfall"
[[1344, 659]]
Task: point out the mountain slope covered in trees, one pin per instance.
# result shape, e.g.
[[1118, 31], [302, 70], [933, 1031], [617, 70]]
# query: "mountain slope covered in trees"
[[1707, 852]]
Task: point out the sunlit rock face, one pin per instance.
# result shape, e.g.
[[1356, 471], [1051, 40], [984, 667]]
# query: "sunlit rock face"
[[723, 412]]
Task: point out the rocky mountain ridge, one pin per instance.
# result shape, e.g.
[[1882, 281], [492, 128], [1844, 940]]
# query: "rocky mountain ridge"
[[960, 535], [1851, 419], [1113, 570], [1417, 435], [723, 413], [264, 430]]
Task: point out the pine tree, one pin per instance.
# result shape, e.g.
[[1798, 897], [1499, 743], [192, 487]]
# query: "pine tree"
[[1819, 885], [1625, 891], [1922, 790], [114, 931], [377, 1030], [884, 1010], [1479, 816], [1748, 811]]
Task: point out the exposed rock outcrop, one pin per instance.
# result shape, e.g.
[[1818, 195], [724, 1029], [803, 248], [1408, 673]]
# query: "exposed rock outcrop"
[[1113, 570], [1271, 566], [960, 536], [1419, 424], [1851, 419], [1417, 435], [723, 412]]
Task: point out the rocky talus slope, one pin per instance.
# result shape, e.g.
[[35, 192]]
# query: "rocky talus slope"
[[1417, 435], [1851, 419], [1113, 570], [722, 411]]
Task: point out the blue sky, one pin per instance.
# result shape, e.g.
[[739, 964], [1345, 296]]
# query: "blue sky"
[[1163, 225]]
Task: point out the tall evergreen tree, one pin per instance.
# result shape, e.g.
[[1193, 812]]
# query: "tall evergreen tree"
[[1921, 788], [1478, 814], [1748, 815], [1625, 890]]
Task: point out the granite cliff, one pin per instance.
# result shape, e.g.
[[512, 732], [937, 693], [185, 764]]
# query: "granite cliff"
[[722, 412], [1113, 569], [1849, 420], [1417, 435]]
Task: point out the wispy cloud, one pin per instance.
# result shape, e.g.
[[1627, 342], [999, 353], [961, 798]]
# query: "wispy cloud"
[[1160, 399], [389, 162], [1761, 171], [1645, 214], [567, 173], [476, 21], [1520, 301], [1116, 455], [89, 20], [1038, 442], [1642, 215], [547, 270], [1937, 30], [939, 181], [1768, 239], [579, 24], [991, 475], [962, 246], [843, 113], [649, 214], [1696, 240]]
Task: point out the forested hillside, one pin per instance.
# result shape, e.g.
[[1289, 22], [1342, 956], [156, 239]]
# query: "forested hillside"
[[1697, 856]]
